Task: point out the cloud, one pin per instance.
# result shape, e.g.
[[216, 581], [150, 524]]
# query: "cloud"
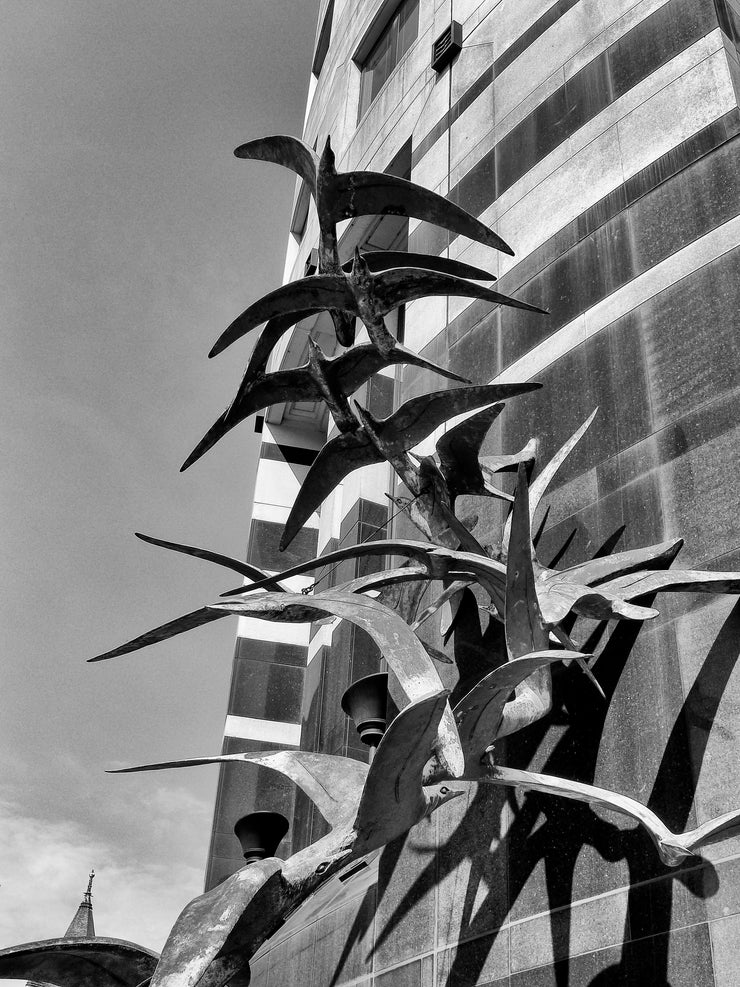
[[137, 894]]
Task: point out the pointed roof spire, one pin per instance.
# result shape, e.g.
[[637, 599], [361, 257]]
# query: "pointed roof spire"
[[82, 925]]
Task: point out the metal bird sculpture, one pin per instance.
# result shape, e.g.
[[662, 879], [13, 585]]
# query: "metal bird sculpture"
[[360, 294], [84, 962], [331, 381], [387, 439], [366, 808], [673, 848], [398, 644]]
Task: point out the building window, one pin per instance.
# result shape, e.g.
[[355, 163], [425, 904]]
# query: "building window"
[[322, 45], [395, 40]]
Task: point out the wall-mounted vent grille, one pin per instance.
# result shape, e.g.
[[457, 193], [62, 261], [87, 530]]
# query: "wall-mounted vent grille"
[[446, 47]]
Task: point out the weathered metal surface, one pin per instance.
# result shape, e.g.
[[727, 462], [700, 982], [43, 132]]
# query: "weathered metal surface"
[[458, 450], [245, 569], [282, 149], [400, 647], [94, 962], [672, 847], [187, 622], [361, 294], [320, 379], [385, 439], [480, 713], [384, 260], [333, 783]]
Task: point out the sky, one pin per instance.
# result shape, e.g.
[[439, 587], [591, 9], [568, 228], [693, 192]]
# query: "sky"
[[131, 238]]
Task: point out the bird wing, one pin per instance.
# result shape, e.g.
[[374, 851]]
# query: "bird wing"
[[333, 783], [290, 152], [393, 798], [551, 785], [673, 581], [371, 193], [479, 713], [458, 448], [398, 644], [713, 831], [377, 580], [245, 569], [419, 416], [162, 633], [386, 546], [384, 260], [524, 625], [86, 962], [599, 570], [353, 368], [457, 586], [338, 458], [256, 393], [406, 284], [543, 480], [312, 294], [558, 597], [240, 912], [273, 331], [509, 463]]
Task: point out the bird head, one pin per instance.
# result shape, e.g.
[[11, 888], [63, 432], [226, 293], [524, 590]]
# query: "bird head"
[[360, 271], [315, 353], [439, 794], [327, 157], [672, 853]]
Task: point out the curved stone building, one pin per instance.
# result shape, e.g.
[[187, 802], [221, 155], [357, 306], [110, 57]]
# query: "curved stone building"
[[600, 139]]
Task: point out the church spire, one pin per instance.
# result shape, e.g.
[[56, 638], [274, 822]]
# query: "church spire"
[[82, 925]]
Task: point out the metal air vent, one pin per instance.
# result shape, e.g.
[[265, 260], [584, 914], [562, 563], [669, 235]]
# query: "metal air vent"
[[447, 46]]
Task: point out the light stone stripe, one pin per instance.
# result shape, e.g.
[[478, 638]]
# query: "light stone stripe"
[[279, 514], [272, 630], [267, 731], [673, 269], [323, 636]]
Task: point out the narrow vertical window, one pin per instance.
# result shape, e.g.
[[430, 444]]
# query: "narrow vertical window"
[[394, 41]]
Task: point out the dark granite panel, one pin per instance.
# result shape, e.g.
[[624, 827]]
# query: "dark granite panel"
[[344, 941], [291, 961], [266, 691], [405, 915], [480, 961], [472, 867], [246, 788], [270, 651], [264, 538], [380, 395], [335, 679], [296, 455]]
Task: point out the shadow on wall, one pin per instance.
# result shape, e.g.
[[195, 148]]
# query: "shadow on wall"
[[546, 830]]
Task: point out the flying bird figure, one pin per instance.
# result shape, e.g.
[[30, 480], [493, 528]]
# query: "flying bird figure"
[[387, 439], [673, 848], [360, 294], [366, 808], [320, 379], [85, 962], [360, 193]]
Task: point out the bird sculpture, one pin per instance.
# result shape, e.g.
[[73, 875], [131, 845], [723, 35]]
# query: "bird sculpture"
[[319, 379], [673, 848], [217, 933], [387, 439], [340, 196], [84, 962], [359, 294]]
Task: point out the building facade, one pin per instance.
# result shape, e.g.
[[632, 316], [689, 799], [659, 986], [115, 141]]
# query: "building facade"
[[601, 141]]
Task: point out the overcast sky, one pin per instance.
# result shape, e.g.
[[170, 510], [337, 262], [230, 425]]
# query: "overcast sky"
[[131, 238]]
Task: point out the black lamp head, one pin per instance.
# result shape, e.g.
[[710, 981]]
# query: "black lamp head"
[[365, 703], [260, 833]]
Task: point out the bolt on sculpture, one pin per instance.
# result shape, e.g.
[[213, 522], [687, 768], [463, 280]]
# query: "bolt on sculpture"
[[431, 752]]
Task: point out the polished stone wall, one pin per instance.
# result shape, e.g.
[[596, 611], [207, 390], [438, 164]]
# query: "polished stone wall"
[[601, 140]]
